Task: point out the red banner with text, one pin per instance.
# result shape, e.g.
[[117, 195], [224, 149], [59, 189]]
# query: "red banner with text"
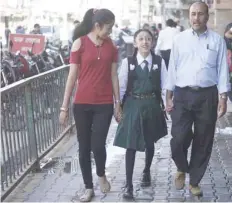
[[26, 42]]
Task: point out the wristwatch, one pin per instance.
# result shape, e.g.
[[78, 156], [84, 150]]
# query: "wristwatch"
[[117, 101], [223, 96]]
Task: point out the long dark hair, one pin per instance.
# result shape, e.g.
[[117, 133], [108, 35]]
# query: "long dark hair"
[[92, 16], [136, 34]]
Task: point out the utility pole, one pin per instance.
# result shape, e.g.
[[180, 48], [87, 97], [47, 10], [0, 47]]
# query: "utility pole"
[[164, 10], [139, 13]]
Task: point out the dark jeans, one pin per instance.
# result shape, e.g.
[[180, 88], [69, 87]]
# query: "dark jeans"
[[198, 108], [166, 56], [92, 124]]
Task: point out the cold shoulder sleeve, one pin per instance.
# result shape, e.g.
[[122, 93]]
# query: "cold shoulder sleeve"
[[76, 51]]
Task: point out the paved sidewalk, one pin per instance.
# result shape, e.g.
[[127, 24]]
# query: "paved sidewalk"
[[57, 184], [229, 106]]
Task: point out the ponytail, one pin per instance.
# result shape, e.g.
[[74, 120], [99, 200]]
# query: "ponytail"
[[135, 52], [81, 30], [85, 26], [152, 53], [92, 16]]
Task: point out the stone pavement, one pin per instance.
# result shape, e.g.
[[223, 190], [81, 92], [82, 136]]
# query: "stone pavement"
[[60, 181]]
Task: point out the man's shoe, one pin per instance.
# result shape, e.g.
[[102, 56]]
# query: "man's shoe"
[[146, 180], [128, 193], [195, 190], [180, 180]]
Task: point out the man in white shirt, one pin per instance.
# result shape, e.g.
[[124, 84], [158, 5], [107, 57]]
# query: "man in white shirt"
[[198, 72], [165, 40]]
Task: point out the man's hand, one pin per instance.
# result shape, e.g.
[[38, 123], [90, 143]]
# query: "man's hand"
[[169, 101], [169, 105], [222, 107]]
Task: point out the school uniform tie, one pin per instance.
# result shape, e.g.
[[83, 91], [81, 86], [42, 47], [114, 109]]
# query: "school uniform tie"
[[145, 69]]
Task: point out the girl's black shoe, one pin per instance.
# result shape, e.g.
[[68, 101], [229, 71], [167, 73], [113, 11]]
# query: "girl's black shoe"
[[146, 180], [128, 193]]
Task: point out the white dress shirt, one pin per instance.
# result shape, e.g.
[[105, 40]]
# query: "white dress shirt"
[[165, 39], [123, 72], [198, 61]]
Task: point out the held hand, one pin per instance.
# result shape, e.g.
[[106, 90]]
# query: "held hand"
[[63, 117], [222, 107], [169, 105], [118, 112]]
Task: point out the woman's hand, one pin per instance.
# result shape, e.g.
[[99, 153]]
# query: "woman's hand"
[[63, 117]]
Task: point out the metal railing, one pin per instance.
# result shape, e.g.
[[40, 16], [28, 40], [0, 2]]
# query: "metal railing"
[[30, 124]]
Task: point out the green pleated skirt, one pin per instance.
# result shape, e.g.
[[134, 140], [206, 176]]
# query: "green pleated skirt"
[[143, 123]]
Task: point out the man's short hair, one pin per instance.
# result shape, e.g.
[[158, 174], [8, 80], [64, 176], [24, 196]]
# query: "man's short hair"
[[76, 21], [170, 23], [201, 2], [36, 25], [146, 25]]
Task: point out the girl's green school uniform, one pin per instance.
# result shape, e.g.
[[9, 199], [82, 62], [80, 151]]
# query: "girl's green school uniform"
[[143, 117]]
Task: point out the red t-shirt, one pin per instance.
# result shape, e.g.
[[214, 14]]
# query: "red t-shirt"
[[94, 77]]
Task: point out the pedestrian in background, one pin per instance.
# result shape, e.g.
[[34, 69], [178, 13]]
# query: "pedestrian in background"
[[146, 26], [36, 30], [165, 40], [228, 39], [93, 63], [198, 72], [20, 30], [7, 34], [75, 24]]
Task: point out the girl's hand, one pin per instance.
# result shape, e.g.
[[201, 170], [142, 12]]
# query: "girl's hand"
[[118, 112]]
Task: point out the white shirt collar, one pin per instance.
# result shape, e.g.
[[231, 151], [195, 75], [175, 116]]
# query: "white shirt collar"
[[140, 59], [202, 34]]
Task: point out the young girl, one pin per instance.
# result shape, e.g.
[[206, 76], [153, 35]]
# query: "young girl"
[[143, 123], [93, 61]]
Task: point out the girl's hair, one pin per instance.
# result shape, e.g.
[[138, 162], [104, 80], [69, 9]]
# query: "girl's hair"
[[136, 34], [228, 41], [92, 16]]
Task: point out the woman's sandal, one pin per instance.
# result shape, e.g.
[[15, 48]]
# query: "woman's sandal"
[[87, 196], [104, 184]]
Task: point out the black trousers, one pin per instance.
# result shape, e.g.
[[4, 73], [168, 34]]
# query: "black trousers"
[[196, 108], [92, 124], [166, 56]]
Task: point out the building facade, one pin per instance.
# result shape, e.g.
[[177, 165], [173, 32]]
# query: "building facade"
[[220, 12]]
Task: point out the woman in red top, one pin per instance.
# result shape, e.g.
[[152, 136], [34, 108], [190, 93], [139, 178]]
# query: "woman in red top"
[[93, 62]]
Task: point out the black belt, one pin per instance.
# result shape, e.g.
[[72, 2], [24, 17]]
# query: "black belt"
[[143, 96], [196, 88]]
